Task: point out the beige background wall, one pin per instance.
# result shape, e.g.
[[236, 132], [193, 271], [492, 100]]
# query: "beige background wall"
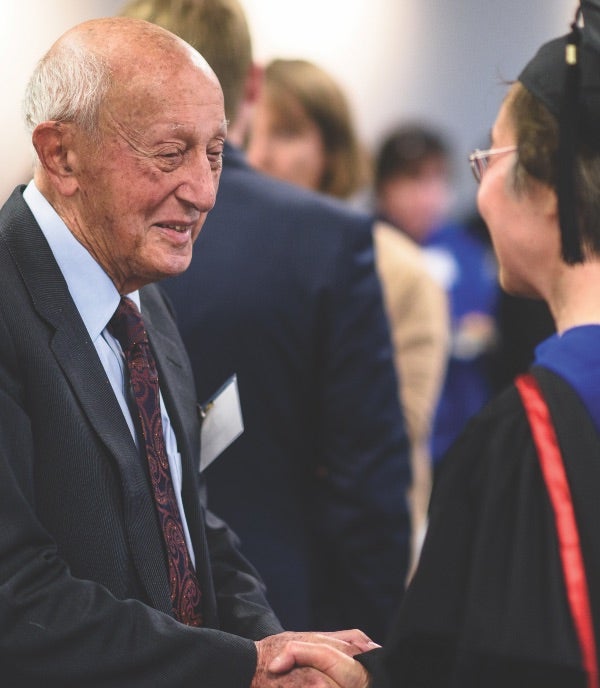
[[438, 60]]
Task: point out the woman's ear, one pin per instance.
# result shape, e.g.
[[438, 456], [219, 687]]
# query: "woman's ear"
[[53, 142], [545, 198], [551, 203]]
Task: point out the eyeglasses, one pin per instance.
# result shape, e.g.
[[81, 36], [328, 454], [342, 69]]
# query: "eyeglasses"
[[480, 159]]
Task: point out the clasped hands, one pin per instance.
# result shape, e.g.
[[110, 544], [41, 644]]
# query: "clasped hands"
[[314, 660]]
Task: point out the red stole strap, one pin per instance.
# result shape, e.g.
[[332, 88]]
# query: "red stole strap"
[[555, 477]]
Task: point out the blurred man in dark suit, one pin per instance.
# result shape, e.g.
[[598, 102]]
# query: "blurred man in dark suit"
[[283, 293]]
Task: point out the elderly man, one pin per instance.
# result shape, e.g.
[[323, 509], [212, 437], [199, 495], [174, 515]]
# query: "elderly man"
[[111, 571]]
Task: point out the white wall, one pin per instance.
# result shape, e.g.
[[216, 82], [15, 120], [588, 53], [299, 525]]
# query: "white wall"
[[27, 29], [439, 60], [442, 61]]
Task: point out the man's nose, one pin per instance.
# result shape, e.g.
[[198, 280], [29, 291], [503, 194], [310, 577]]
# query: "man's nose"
[[199, 184]]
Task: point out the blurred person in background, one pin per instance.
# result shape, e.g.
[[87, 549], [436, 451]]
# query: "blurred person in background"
[[282, 292], [413, 192], [302, 132]]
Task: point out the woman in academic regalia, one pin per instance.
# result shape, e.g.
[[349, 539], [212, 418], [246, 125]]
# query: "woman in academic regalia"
[[507, 593]]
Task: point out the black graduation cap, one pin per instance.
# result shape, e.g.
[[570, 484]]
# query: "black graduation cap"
[[565, 76]]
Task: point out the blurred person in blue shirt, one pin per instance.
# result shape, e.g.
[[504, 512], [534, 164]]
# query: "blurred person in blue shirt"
[[413, 192]]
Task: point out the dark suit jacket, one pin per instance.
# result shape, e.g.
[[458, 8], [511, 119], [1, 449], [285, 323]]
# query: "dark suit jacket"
[[84, 593], [282, 291]]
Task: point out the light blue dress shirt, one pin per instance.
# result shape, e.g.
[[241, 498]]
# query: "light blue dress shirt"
[[96, 299]]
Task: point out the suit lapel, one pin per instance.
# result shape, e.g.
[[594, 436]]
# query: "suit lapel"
[[174, 373], [91, 385], [77, 357]]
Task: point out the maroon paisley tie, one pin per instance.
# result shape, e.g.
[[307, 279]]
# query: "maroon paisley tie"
[[127, 327]]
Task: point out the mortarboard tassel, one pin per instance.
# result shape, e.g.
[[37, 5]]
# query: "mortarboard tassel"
[[567, 149]]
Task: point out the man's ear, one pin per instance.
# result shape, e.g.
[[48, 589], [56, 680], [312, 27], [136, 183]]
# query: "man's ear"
[[53, 142], [238, 129], [254, 83]]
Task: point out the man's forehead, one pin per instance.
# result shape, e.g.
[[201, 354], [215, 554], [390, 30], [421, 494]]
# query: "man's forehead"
[[157, 118], [166, 85], [219, 127]]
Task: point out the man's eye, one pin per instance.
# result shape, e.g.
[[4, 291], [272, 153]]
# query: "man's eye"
[[170, 159], [170, 155], [216, 159]]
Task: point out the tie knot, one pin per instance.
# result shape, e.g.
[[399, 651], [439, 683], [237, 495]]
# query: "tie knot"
[[127, 324]]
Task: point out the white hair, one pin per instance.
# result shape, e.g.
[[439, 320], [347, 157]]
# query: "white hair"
[[67, 85]]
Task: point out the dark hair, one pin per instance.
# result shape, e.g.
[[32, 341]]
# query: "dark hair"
[[537, 141], [405, 150]]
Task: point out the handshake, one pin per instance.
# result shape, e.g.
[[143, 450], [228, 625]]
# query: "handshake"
[[315, 660]]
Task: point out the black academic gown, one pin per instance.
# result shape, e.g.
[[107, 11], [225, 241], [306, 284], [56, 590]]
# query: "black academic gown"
[[488, 606]]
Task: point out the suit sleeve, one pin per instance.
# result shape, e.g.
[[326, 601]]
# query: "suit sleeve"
[[363, 455], [240, 593], [59, 630]]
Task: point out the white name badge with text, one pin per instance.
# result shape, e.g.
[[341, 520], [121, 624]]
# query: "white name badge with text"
[[222, 422]]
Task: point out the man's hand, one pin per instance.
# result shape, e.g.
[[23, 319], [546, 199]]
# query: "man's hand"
[[278, 654], [338, 666]]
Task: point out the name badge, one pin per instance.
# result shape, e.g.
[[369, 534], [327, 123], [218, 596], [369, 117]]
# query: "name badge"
[[222, 422]]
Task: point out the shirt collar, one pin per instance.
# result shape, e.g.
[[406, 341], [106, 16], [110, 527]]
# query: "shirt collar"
[[92, 290]]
